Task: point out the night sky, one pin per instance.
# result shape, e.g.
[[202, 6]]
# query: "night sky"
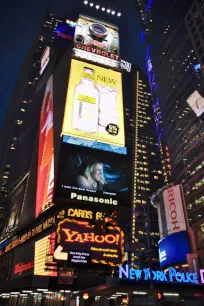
[[20, 23]]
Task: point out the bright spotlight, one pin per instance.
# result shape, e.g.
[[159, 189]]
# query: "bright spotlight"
[[113, 12], [85, 2], [97, 7], [103, 9], [108, 11], [119, 14], [91, 4]]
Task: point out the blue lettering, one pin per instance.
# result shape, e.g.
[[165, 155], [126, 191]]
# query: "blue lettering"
[[138, 274], [122, 271], [179, 277], [131, 274], [164, 277], [172, 272], [147, 273], [193, 278]]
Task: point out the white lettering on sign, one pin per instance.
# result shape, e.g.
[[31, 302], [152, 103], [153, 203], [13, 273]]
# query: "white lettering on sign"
[[125, 65], [79, 197], [174, 211]]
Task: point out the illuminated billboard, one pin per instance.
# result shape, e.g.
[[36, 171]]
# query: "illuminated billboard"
[[44, 59], [44, 264], [93, 176], [15, 204], [196, 102], [78, 244], [174, 211], [45, 172], [173, 249], [94, 104], [96, 41]]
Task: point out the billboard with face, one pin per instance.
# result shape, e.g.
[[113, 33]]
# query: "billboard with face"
[[45, 172], [78, 244], [97, 41], [92, 176], [94, 104]]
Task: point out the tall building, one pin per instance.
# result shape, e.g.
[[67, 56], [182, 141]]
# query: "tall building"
[[174, 65], [147, 172], [144, 8]]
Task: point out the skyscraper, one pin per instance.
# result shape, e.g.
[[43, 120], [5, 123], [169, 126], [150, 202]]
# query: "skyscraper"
[[174, 65]]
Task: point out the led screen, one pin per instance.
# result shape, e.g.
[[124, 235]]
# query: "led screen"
[[173, 249], [94, 104], [45, 172], [45, 59], [196, 102], [79, 244], [15, 205], [88, 175], [97, 41]]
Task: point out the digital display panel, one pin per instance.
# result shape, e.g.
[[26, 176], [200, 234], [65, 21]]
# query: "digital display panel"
[[45, 59], [15, 204], [173, 249], [45, 172], [94, 104], [78, 244], [88, 175], [97, 41], [196, 102]]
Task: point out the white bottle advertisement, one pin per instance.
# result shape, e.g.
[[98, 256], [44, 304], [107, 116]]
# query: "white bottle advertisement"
[[86, 101]]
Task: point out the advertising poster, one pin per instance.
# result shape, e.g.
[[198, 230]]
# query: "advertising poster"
[[196, 102], [94, 104], [78, 244], [93, 176], [44, 60], [173, 249], [173, 204], [23, 264], [45, 172], [97, 41], [15, 204], [44, 264], [64, 36]]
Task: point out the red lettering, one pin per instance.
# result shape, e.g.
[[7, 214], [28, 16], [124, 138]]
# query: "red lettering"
[[21, 267], [175, 226], [78, 46]]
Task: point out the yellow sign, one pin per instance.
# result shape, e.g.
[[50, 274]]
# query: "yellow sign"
[[94, 104]]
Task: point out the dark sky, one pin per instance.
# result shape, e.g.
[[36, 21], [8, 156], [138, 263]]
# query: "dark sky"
[[19, 24]]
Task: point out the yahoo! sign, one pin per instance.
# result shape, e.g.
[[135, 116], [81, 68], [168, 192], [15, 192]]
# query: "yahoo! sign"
[[160, 276]]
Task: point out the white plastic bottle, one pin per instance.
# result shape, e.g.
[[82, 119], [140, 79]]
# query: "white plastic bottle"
[[86, 100]]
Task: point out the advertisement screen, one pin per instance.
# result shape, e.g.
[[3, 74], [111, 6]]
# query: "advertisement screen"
[[45, 172], [45, 59], [94, 104], [196, 102], [23, 263], [78, 244], [44, 264], [173, 249], [88, 175], [174, 212], [96, 41], [94, 144], [15, 204]]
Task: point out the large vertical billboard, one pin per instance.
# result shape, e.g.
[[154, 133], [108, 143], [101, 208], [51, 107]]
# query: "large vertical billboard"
[[94, 104], [45, 171], [97, 41], [174, 211]]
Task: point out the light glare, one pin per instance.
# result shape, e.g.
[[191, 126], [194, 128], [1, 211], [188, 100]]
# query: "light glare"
[[97, 7], [103, 9], [119, 14], [113, 12], [85, 2], [108, 11], [91, 4]]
